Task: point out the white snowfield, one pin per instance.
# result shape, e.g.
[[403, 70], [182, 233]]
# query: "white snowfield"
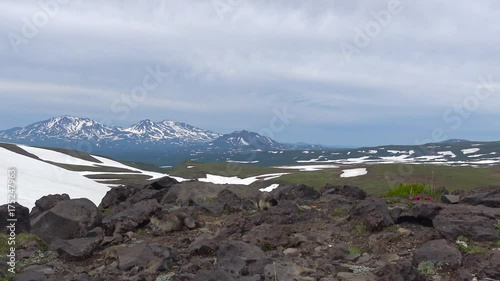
[[349, 173], [36, 179]]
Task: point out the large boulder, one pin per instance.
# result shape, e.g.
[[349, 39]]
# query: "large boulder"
[[374, 213], [489, 198], [78, 249], [422, 213], [48, 202], [295, 192], [131, 218], [69, 219], [18, 212], [241, 259], [162, 183], [345, 190], [115, 196], [474, 222], [147, 257], [440, 252]]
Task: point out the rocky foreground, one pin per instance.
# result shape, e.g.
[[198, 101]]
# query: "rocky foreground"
[[167, 230]]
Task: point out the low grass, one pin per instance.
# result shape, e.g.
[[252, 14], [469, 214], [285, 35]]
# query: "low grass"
[[382, 177], [353, 250], [223, 169], [131, 179], [100, 169]]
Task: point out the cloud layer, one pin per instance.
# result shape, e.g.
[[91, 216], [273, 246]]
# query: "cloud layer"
[[353, 72]]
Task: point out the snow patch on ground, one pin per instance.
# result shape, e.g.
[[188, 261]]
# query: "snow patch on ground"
[[242, 162], [270, 188], [447, 153], [308, 168], [470, 150], [349, 173]]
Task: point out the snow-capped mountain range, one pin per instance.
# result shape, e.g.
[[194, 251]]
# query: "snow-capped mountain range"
[[69, 130]]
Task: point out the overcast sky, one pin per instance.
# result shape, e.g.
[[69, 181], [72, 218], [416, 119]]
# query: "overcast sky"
[[357, 72]]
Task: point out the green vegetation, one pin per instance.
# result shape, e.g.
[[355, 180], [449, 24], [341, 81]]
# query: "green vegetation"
[[428, 268], [267, 246], [102, 169], [223, 169], [497, 226], [340, 212], [412, 190], [353, 249], [8, 277], [120, 178], [23, 240], [358, 227], [465, 245]]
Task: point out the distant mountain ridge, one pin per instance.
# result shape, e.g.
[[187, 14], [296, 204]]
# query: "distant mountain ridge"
[[146, 134]]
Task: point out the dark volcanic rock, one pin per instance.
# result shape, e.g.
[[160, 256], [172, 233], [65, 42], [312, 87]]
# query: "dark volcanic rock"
[[346, 190], [490, 198], [374, 213], [439, 251], [450, 199], [48, 202], [216, 275], [78, 249], [241, 259], [474, 222], [67, 220], [22, 214], [149, 258], [294, 192], [130, 218], [115, 196], [422, 213], [162, 183]]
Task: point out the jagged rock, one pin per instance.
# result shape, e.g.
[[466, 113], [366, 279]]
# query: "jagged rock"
[[216, 275], [474, 222], [204, 245], [131, 218], [374, 213], [162, 183], [287, 271], [349, 276], [450, 199], [489, 198], [345, 190], [268, 235], [239, 258], [294, 192], [438, 251], [422, 213], [148, 257], [402, 271], [115, 196], [78, 249], [284, 213], [69, 219], [22, 215], [47, 202]]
